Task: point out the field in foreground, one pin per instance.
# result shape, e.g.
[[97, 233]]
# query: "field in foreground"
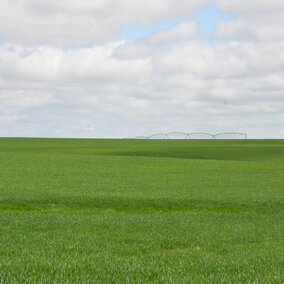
[[120, 211]]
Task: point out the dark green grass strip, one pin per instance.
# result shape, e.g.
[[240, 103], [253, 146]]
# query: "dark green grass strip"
[[134, 205]]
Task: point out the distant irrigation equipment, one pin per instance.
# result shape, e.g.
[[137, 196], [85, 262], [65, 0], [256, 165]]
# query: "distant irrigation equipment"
[[231, 135], [140, 137], [177, 135], [193, 135], [159, 136], [201, 135]]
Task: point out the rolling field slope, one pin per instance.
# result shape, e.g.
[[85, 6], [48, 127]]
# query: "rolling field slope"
[[140, 211]]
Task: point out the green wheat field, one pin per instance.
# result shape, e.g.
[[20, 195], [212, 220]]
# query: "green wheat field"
[[141, 211]]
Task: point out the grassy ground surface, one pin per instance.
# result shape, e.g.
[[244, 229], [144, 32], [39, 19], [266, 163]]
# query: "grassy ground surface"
[[119, 211]]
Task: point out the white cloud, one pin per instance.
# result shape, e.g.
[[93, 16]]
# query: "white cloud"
[[10, 118], [52, 64], [247, 30], [68, 22], [181, 32], [253, 20], [252, 7], [172, 80], [25, 98], [97, 92]]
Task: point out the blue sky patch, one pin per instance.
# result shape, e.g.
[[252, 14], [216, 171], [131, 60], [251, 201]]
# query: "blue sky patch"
[[208, 17], [134, 32]]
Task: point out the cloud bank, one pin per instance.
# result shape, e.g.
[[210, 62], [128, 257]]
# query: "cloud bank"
[[61, 75]]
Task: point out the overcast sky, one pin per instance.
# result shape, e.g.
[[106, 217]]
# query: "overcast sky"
[[122, 68]]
